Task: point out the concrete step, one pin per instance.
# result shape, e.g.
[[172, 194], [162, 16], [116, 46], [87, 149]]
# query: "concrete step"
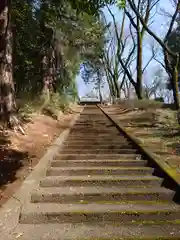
[[100, 194], [110, 180], [96, 142], [86, 145], [93, 130], [74, 171], [92, 123], [87, 131], [107, 139], [94, 137], [101, 123], [77, 213], [91, 133], [95, 122], [99, 163], [91, 194], [116, 144], [100, 231], [104, 127], [89, 156], [98, 151]]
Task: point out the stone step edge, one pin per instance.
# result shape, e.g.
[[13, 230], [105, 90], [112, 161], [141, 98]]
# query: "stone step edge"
[[100, 177], [160, 231], [41, 212], [101, 190], [140, 168], [100, 160], [100, 208]]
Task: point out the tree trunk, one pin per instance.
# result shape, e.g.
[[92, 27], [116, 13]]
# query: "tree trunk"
[[110, 87], [116, 88], [100, 96], [139, 67], [99, 86], [52, 60], [175, 87], [110, 83], [46, 82], [129, 90], [6, 70], [122, 84], [173, 72]]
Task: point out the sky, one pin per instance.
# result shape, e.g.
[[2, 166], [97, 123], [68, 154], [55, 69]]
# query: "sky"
[[159, 26]]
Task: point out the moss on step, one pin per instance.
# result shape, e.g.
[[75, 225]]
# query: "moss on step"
[[158, 222], [129, 212], [133, 238], [145, 202]]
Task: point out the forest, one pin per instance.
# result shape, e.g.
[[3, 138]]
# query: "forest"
[[46, 44]]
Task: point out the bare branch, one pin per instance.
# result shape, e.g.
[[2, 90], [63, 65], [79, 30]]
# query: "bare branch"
[[172, 22], [147, 64], [158, 61], [163, 45], [154, 54], [131, 19]]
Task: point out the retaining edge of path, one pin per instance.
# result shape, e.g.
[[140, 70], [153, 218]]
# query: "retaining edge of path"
[[9, 212], [170, 173]]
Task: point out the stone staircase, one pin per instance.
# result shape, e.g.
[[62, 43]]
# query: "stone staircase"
[[100, 187]]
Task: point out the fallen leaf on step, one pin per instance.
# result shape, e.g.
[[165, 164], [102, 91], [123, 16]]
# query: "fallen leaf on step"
[[19, 235]]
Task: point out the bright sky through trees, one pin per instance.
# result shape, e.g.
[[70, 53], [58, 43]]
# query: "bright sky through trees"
[[159, 26]]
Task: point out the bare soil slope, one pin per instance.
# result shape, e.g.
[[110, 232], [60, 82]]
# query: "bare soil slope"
[[19, 154]]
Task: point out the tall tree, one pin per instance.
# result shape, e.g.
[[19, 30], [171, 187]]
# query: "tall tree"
[[169, 55], [144, 8], [173, 42], [38, 22], [6, 68]]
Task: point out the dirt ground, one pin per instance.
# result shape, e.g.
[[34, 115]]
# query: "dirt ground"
[[20, 153], [156, 127]]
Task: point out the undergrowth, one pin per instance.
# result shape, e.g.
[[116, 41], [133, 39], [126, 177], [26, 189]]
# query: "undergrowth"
[[50, 106], [142, 104]]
